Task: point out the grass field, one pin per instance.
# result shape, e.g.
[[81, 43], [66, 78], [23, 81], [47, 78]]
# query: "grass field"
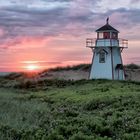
[[71, 110]]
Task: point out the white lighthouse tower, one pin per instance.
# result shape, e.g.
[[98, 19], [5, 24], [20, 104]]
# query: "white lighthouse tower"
[[107, 61]]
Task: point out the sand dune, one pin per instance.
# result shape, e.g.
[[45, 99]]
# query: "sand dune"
[[72, 73]]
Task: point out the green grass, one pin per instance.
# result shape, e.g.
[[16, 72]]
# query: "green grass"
[[71, 110]]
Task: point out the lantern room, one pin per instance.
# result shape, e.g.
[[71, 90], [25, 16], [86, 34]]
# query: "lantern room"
[[107, 35], [107, 32]]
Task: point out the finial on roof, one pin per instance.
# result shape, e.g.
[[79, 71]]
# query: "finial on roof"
[[107, 20]]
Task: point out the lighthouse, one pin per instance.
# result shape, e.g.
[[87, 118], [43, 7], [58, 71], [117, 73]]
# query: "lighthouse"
[[107, 48]]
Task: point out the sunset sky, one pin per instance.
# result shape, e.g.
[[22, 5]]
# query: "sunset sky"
[[47, 33]]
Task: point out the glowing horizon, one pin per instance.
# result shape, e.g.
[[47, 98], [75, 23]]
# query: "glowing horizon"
[[50, 34]]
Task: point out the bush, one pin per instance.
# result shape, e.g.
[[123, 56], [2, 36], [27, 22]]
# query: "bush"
[[132, 66], [55, 136], [98, 104], [74, 67], [81, 136]]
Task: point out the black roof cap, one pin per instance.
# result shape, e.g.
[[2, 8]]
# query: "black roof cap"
[[107, 27]]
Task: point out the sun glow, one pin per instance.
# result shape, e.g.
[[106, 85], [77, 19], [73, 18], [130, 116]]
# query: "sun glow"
[[32, 67]]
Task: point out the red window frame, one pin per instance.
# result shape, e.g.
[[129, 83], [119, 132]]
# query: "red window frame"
[[106, 35]]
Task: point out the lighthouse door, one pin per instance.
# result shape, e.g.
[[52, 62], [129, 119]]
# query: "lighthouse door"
[[120, 74], [119, 69]]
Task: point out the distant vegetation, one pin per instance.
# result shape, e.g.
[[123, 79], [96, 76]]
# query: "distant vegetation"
[[74, 67], [132, 66], [70, 110], [86, 67], [80, 67]]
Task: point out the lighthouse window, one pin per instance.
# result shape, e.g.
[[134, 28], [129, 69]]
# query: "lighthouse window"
[[114, 35], [100, 35], [106, 35], [102, 57]]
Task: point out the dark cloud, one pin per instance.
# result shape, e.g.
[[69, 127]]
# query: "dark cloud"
[[76, 19], [69, 20], [127, 21], [21, 21], [135, 1]]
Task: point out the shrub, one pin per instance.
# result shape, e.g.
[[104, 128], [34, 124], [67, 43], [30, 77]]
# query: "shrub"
[[98, 104], [55, 136], [132, 66], [80, 136]]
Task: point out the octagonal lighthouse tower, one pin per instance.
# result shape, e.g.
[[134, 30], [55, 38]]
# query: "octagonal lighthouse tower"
[[107, 47]]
